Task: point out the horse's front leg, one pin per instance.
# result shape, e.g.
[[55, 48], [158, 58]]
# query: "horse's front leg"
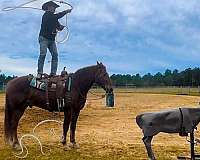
[[75, 114], [67, 119]]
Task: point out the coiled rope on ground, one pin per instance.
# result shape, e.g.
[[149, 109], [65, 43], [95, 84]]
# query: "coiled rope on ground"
[[33, 135]]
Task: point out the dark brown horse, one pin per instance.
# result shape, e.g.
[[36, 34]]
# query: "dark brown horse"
[[19, 95]]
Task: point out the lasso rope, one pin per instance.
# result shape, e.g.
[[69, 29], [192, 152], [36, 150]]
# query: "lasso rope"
[[24, 146], [34, 136], [45, 121], [67, 33], [22, 6], [100, 96]]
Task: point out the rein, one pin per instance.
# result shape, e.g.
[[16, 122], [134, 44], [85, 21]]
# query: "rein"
[[85, 97], [100, 96]]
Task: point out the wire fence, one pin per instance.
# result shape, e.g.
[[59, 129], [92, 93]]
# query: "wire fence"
[[2, 87], [182, 90]]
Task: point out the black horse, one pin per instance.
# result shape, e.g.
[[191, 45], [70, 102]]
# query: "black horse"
[[19, 95]]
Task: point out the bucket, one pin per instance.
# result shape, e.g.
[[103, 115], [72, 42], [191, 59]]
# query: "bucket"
[[110, 99]]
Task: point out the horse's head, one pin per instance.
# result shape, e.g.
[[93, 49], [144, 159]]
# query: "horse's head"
[[102, 78]]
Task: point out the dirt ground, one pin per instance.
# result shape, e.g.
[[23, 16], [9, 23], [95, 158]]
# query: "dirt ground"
[[104, 133]]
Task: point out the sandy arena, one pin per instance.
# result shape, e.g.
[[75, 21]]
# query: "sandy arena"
[[103, 133]]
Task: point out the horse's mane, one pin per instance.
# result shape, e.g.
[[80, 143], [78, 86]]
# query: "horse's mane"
[[84, 69]]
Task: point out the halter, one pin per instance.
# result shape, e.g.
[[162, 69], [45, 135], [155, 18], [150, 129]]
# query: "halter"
[[99, 96], [22, 6], [101, 75]]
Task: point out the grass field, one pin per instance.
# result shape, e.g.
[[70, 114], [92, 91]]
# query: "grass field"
[[104, 133]]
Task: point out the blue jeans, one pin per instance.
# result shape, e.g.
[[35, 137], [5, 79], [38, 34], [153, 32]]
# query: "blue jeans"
[[51, 45]]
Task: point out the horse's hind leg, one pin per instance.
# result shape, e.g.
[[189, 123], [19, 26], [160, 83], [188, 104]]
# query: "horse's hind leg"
[[147, 142]]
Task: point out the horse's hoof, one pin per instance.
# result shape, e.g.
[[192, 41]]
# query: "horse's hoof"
[[66, 148], [74, 145], [9, 142], [152, 158], [17, 147], [63, 141]]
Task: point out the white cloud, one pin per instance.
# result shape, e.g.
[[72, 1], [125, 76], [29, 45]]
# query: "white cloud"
[[23, 66], [17, 66], [137, 12], [94, 11]]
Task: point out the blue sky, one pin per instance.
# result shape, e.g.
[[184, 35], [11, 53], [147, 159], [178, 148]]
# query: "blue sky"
[[128, 36]]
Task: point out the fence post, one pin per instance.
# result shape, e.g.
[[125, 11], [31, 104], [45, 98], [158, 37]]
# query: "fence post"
[[4, 87], [189, 90], [199, 89]]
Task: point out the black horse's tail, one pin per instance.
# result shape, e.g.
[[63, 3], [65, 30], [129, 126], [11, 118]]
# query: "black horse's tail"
[[7, 121]]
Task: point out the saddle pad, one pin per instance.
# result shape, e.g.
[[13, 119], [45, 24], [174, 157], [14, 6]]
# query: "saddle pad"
[[38, 84]]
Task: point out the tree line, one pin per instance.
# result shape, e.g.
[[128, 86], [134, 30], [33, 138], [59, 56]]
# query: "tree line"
[[188, 77], [5, 79]]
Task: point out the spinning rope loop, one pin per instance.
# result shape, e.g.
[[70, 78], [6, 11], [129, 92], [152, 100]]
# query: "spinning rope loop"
[[22, 6]]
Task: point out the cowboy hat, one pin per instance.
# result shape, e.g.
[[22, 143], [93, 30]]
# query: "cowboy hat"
[[49, 3]]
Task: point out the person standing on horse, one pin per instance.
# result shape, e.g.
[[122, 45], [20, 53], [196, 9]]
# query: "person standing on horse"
[[49, 27]]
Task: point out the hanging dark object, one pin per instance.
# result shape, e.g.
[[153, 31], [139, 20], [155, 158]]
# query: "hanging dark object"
[[110, 99]]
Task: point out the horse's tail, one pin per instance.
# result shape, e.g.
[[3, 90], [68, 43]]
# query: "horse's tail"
[[6, 121]]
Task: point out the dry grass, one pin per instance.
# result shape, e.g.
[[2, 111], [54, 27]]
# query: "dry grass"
[[105, 133]]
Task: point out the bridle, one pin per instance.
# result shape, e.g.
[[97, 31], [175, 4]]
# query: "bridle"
[[97, 76], [102, 75]]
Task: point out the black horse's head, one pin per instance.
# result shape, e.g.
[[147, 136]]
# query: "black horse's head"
[[102, 78]]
